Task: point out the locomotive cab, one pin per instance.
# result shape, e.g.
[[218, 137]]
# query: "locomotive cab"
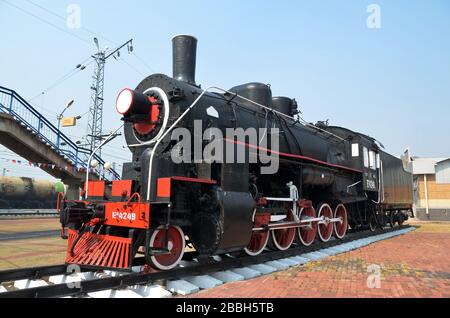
[[365, 155]]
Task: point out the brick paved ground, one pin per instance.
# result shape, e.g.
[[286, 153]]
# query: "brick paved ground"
[[413, 265]]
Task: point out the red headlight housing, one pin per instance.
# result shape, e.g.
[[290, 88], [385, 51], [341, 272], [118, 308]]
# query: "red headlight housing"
[[142, 110]]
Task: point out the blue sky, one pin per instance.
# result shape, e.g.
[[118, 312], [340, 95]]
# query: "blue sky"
[[392, 83]]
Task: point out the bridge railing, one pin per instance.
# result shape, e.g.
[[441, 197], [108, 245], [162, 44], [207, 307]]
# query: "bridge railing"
[[14, 105]]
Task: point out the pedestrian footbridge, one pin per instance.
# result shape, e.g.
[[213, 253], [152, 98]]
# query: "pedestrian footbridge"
[[30, 135]]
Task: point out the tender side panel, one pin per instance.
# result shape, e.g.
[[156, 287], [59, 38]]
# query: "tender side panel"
[[398, 183]]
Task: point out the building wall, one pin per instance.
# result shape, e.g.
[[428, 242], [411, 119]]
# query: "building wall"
[[438, 193], [434, 214], [443, 172], [438, 198]]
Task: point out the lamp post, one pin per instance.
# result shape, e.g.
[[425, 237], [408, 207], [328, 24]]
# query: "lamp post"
[[60, 117]]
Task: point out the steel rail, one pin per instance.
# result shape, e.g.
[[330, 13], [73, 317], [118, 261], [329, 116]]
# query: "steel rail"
[[32, 273], [21, 214]]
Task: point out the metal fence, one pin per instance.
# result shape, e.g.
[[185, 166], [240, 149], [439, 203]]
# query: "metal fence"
[[25, 114]]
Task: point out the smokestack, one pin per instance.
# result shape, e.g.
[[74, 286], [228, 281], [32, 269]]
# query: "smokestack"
[[184, 58]]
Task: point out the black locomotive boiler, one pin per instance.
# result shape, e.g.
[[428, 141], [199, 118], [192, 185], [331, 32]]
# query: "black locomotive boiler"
[[328, 179]]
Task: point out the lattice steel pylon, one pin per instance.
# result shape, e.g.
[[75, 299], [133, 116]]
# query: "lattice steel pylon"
[[95, 122]]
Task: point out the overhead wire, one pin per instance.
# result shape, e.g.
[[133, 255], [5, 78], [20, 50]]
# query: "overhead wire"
[[80, 67], [132, 67], [115, 157], [46, 22], [64, 19], [141, 60], [74, 71]]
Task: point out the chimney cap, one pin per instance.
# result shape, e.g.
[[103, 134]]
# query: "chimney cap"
[[187, 35]]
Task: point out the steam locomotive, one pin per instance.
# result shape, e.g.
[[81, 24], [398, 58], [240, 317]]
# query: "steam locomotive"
[[327, 180]]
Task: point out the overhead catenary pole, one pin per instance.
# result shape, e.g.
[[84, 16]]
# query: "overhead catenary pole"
[[95, 122]]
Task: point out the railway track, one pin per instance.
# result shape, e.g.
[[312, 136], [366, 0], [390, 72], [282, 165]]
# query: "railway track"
[[29, 235], [137, 284], [26, 213]]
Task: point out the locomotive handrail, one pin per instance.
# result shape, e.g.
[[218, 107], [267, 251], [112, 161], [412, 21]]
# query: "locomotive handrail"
[[380, 185], [43, 128], [137, 195], [282, 114], [352, 186], [253, 102], [160, 139]]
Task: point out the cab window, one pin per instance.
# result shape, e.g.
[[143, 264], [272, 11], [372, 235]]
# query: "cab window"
[[372, 160], [355, 150], [366, 157]]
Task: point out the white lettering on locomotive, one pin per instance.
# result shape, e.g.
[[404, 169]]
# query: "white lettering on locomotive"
[[125, 216], [371, 184]]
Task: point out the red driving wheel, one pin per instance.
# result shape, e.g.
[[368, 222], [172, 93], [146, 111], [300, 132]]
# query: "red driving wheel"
[[325, 229], [282, 239], [258, 243], [308, 231], [340, 228], [176, 245]]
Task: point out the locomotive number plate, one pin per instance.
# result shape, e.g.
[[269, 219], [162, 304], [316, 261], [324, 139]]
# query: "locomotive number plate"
[[124, 216], [136, 215], [371, 184]]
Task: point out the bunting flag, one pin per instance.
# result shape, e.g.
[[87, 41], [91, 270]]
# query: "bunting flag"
[[50, 166]]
